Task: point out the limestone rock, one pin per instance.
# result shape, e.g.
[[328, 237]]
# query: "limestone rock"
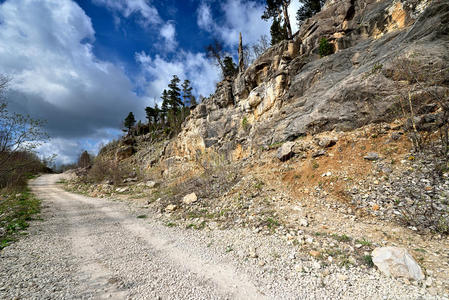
[[170, 208], [124, 152], [289, 91], [130, 179], [285, 152], [190, 198], [327, 142], [319, 153], [151, 184], [397, 262], [372, 156]]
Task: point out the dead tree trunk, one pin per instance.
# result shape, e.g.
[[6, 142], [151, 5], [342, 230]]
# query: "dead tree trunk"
[[241, 59]]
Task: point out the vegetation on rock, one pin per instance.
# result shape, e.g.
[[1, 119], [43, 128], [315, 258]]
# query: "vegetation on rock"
[[325, 48]]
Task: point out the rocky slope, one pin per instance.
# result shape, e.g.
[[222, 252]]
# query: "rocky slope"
[[290, 91]]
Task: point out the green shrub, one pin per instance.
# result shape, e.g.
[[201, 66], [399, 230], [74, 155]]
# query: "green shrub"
[[368, 260], [16, 210], [245, 124], [326, 48]]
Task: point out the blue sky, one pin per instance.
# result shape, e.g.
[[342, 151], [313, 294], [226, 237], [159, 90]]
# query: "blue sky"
[[83, 65]]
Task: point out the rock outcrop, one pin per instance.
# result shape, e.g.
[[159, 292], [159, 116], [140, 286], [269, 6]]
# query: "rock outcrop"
[[289, 91]]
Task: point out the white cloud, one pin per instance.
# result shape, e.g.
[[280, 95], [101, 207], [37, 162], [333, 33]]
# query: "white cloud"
[[168, 32], [148, 14], [186, 65], [68, 150], [204, 17], [238, 16], [47, 50]]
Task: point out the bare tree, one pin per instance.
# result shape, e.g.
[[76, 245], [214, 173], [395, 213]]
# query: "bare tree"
[[18, 133], [260, 46], [215, 51], [429, 82]]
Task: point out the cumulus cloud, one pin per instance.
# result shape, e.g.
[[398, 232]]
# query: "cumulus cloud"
[[68, 150], [238, 16], [56, 76], [187, 65], [147, 14]]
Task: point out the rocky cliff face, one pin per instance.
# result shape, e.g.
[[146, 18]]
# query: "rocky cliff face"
[[290, 91]]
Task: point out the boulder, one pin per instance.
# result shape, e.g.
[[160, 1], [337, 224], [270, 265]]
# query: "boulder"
[[318, 153], [122, 190], [151, 184], [130, 179], [397, 262], [327, 142], [170, 208], [285, 152], [190, 198]]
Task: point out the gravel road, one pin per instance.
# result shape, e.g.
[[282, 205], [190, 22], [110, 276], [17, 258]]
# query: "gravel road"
[[95, 248]]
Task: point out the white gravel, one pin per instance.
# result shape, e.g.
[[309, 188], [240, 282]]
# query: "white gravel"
[[96, 248]]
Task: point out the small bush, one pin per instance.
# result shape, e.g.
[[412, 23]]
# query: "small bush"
[[326, 48], [245, 124], [105, 168], [368, 260]]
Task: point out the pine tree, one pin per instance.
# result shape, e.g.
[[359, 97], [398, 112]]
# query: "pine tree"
[[157, 114], [278, 32], [230, 69], [187, 96], [278, 10], [174, 94], [308, 9], [164, 107], [150, 114], [130, 121]]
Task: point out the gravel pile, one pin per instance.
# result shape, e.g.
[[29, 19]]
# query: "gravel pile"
[[415, 193]]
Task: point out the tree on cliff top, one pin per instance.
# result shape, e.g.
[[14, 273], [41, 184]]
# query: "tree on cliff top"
[[130, 121], [188, 98], [278, 10], [230, 69], [174, 94], [278, 32]]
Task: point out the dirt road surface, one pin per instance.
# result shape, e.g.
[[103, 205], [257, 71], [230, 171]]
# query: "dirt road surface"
[[90, 248]]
